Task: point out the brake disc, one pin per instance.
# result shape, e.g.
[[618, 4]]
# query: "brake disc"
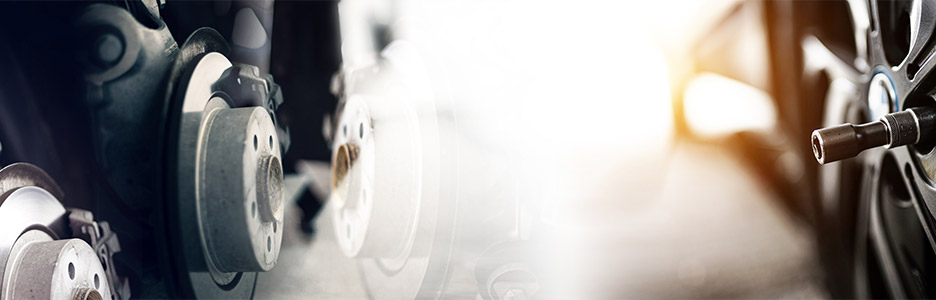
[[227, 175], [38, 259], [197, 178], [392, 208], [19, 175], [37, 207]]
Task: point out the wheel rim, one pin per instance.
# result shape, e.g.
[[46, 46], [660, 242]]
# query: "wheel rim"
[[887, 66]]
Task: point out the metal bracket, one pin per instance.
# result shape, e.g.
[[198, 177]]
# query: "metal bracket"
[[246, 87], [105, 244]]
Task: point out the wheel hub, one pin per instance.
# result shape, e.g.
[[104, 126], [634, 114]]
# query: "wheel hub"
[[882, 97]]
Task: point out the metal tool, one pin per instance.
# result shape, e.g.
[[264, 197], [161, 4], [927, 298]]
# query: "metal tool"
[[893, 130]]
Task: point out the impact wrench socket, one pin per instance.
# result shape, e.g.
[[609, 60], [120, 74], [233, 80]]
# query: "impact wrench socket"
[[893, 130]]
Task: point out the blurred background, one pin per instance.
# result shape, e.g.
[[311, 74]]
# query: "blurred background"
[[626, 149]]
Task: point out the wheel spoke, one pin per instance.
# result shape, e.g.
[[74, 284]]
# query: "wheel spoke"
[[924, 198], [919, 61], [861, 23], [817, 57], [874, 19], [840, 93]]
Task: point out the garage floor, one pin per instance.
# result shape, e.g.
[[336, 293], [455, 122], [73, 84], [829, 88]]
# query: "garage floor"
[[711, 231]]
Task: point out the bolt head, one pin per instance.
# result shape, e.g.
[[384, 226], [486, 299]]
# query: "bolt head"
[[108, 49]]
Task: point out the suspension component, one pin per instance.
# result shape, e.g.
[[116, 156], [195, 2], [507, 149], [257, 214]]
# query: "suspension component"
[[893, 130]]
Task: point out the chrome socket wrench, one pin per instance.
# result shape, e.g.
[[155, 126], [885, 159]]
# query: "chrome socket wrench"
[[897, 129]]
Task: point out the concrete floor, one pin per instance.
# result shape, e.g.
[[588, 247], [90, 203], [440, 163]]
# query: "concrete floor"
[[710, 231], [310, 267]]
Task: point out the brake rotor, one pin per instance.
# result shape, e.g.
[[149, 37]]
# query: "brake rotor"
[[225, 177], [393, 200], [194, 284], [175, 85], [34, 207], [34, 261], [22, 174]]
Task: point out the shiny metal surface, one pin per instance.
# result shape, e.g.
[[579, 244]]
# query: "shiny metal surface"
[[882, 99], [897, 129], [26, 208], [22, 174], [844, 141], [24, 204]]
